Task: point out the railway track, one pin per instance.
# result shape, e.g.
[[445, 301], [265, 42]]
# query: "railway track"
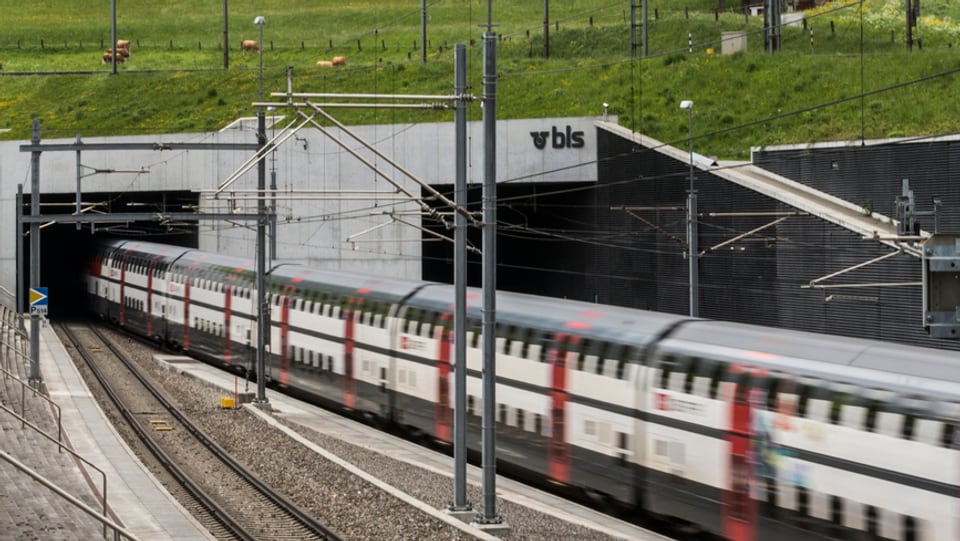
[[226, 498]]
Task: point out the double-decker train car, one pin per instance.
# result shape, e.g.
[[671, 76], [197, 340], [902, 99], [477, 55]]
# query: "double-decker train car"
[[748, 432]]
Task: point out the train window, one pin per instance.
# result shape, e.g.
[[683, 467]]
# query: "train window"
[[913, 407], [542, 345], [773, 386], [948, 435], [588, 363], [840, 399], [803, 398], [873, 404], [585, 346], [836, 510], [609, 368], [502, 413], [910, 531], [716, 377], [386, 314], [803, 501], [629, 354], [666, 364], [505, 335], [520, 420], [873, 522], [409, 322], [538, 423], [527, 338], [909, 421], [692, 366], [430, 320]]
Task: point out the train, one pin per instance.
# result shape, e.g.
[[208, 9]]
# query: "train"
[[747, 432]]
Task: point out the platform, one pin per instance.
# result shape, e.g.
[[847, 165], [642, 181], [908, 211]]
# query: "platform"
[[28, 510]]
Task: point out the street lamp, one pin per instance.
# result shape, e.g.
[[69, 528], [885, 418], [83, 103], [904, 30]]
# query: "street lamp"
[[260, 22], [263, 307], [693, 252]]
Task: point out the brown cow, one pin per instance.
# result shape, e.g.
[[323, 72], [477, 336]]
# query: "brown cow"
[[324, 64], [249, 45], [339, 61], [107, 58], [123, 44], [124, 53]]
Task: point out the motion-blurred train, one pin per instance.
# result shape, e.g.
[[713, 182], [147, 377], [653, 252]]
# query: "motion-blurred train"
[[747, 432]]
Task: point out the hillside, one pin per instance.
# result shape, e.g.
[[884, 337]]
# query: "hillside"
[[847, 75]]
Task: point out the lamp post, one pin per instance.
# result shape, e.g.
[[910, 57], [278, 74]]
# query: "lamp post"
[[693, 252], [263, 308], [260, 22]]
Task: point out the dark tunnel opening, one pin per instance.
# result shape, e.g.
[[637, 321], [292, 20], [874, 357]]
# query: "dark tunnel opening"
[[65, 249]]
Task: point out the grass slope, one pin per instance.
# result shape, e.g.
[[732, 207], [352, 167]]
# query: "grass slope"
[[846, 75]]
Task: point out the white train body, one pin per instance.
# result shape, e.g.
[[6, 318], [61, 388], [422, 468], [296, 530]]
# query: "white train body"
[[751, 433]]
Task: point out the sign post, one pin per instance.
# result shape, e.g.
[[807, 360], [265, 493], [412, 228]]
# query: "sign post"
[[38, 301]]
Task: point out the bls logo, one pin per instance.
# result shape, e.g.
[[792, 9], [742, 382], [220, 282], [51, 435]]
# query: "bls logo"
[[558, 139]]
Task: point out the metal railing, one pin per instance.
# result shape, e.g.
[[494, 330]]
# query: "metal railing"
[[16, 346], [119, 532]]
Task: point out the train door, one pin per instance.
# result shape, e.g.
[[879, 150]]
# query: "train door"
[[639, 377], [740, 514], [395, 317], [161, 302]]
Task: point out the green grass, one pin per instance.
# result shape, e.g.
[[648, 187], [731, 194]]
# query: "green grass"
[[175, 80]]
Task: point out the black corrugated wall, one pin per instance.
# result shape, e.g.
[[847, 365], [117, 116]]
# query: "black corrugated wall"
[[759, 279]]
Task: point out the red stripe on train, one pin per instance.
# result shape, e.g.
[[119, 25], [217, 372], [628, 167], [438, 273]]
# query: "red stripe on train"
[[443, 427], [227, 309], [285, 340], [186, 312], [558, 450], [739, 507], [149, 301], [123, 282], [349, 384]]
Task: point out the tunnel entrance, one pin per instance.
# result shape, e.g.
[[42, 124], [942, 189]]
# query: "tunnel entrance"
[[541, 246], [65, 249]]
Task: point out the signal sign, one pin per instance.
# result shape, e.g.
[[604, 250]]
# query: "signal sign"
[[38, 301]]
